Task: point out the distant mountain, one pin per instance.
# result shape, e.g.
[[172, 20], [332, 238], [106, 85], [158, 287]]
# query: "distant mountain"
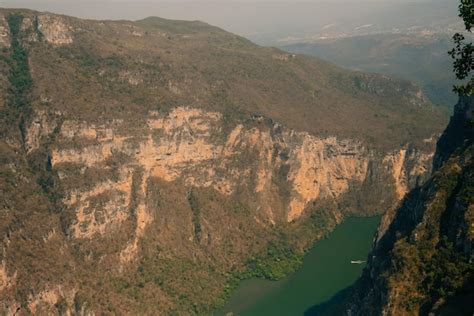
[[421, 58], [147, 167], [275, 23]]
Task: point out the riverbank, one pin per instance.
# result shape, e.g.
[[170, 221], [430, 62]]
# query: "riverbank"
[[326, 270]]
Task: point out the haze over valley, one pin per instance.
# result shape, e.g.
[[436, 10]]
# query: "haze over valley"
[[276, 23]]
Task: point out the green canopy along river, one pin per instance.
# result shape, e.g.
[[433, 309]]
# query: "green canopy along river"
[[329, 267]]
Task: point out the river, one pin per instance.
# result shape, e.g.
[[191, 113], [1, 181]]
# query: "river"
[[326, 270]]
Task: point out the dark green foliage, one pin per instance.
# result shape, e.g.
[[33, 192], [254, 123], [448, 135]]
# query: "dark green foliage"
[[20, 77], [196, 215], [279, 261], [466, 12], [14, 116], [320, 219], [463, 63], [463, 51]]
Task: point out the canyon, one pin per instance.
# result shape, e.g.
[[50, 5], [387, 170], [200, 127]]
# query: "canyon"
[[150, 165]]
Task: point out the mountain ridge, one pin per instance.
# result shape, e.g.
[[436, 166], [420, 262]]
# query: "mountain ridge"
[[358, 86], [422, 58]]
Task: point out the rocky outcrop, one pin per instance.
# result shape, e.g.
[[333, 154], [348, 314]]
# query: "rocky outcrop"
[[4, 32], [45, 300], [185, 146], [43, 125], [54, 29], [5, 279]]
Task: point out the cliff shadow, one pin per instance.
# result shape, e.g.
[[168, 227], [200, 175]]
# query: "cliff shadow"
[[333, 306]]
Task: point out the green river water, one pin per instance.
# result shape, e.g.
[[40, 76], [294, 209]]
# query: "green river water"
[[326, 271]]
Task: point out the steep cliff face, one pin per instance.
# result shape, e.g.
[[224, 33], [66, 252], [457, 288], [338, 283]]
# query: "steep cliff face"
[[145, 166], [189, 146], [422, 259]]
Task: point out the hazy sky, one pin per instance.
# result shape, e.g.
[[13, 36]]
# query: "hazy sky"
[[260, 20]]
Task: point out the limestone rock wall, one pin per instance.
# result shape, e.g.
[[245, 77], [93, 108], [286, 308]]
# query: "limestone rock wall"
[[188, 145]]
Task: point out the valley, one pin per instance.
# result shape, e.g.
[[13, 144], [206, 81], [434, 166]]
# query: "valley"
[[150, 167]]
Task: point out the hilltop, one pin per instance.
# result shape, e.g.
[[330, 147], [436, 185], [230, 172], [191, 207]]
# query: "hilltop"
[[207, 67]]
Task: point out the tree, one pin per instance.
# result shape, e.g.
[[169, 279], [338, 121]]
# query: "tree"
[[463, 51]]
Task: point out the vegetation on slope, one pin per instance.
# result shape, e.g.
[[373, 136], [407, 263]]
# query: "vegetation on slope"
[[195, 64], [20, 77], [122, 71], [18, 107], [26, 212], [422, 264], [431, 266]]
